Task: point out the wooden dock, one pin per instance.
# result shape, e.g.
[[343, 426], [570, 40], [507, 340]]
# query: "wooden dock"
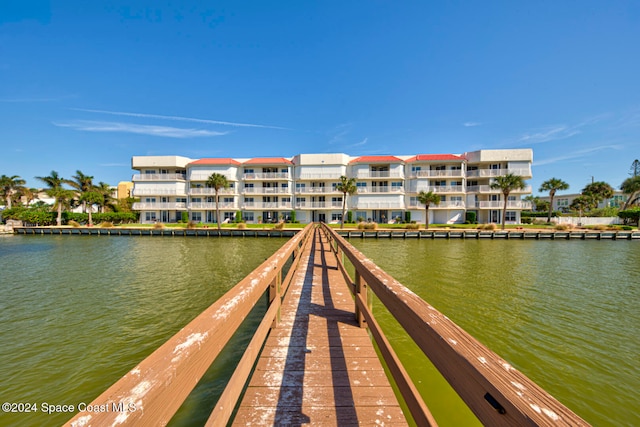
[[318, 367]]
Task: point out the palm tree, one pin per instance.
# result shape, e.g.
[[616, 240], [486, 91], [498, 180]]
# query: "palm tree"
[[426, 198], [346, 186], [552, 185], [506, 184], [631, 186], [217, 182], [597, 192], [81, 183], [105, 190], [55, 190], [29, 194], [10, 185], [581, 204], [91, 198]]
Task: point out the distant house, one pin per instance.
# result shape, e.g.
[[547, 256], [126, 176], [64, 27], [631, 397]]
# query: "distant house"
[[561, 202]]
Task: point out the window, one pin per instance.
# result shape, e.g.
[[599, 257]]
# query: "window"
[[396, 185], [248, 185], [416, 168], [196, 200], [336, 217], [248, 199], [248, 171], [510, 216], [248, 216], [562, 202], [181, 200], [456, 198], [413, 201], [440, 183], [196, 216], [300, 186], [228, 200], [149, 172], [301, 201], [229, 215], [443, 199], [284, 170], [150, 216], [284, 185], [285, 199], [456, 183], [150, 200]]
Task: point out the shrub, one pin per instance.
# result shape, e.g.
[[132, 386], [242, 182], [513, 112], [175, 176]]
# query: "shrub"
[[349, 217], [490, 226], [563, 227], [360, 225], [626, 227], [599, 227], [412, 226], [407, 216], [106, 224], [158, 225], [73, 223], [184, 216], [279, 226], [470, 217], [191, 224], [242, 226], [371, 226]]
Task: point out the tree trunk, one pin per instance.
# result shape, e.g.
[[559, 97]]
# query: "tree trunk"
[[426, 217], [344, 205], [504, 213], [550, 207], [59, 218], [217, 211]]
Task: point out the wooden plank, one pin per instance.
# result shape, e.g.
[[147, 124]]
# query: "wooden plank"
[[318, 367]]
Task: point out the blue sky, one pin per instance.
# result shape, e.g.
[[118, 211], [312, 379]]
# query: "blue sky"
[[86, 85]]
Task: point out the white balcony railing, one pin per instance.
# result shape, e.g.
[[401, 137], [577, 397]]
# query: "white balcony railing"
[[441, 205], [266, 190], [205, 176], [488, 189], [211, 191], [379, 174], [159, 206], [320, 176], [158, 192], [316, 190], [488, 173], [265, 175], [516, 204], [378, 205], [436, 173], [159, 177], [438, 189], [266, 205], [318, 205], [380, 189], [212, 205]]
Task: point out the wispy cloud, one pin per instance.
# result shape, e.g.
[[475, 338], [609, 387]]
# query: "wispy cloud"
[[471, 124], [178, 118], [576, 154], [164, 131], [339, 133], [549, 134], [360, 144]]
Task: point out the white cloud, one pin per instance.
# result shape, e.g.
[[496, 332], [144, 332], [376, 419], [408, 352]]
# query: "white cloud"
[[164, 131], [177, 118], [576, 154], [552, 134], [471, 124]]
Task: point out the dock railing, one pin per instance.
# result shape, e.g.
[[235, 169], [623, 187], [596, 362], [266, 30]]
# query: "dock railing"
[[497, 393], [152, 392]]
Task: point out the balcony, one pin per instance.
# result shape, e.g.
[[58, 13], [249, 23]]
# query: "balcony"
[[266, 205], [516, 204], [159, 177], [320, 176], [212, 205], [318, 205], [380, 189], [266, 190], [378, 174], [166, 206], [442, 205], [436, 173], [488, 189], [265, 176], [489, 173], [158, 192], [439, 189], [205, 176], [379, 205], [211, 191], [316, 190]]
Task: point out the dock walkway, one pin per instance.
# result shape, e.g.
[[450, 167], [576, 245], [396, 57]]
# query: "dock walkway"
[[318, 367]]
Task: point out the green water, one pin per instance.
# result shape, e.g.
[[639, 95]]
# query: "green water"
[[566, 313], [77, 313]]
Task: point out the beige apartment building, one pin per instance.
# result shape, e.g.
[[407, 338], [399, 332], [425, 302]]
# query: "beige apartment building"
[[272, 189]]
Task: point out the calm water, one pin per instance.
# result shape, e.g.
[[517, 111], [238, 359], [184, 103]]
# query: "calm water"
[[77, 313], [566, 313]]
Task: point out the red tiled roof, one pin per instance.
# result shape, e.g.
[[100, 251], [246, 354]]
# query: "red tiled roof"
[[376, 159], [434, 157], [268, 161], [218, 161]]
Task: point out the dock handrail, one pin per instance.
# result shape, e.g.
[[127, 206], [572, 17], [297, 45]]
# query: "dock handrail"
[[497, 393], [156, 388]]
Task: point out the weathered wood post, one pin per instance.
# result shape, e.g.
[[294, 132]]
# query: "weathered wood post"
[[275, 291], [361, 291]]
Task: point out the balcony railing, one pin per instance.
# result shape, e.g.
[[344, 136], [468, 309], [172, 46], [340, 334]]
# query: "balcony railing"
[[212, 205], [266, 205], [379, 174], [516, 204], [266, 190], [442, 205], [318, 205], [265, 175], [435, 173], [488, 189], [320, 176], [438, 189], [160, 177], [379, 205], [316, 190], [159, 206], [380, 189], [488, 173], [205, 177], [211, 191], [158, 192]]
